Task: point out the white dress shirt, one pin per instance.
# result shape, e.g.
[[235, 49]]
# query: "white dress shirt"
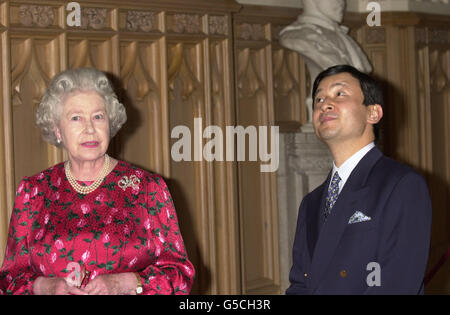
[[347, 167]]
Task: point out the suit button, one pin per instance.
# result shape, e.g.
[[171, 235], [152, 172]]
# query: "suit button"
[[306, 275], [343, 273]]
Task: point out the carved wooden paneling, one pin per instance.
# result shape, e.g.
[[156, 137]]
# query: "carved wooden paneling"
[[270, 88], [170, 62], [187, 102], [143, 140], [289, 79], [257, 203], [31, 15], [29, 79], [258, 211], [226, 214], [92, 52], [139, 21], [6, 163]]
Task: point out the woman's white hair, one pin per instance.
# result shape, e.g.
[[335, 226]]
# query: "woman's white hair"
[[77, 80]]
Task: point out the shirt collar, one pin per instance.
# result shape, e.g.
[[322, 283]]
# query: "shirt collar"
[[347, 167]]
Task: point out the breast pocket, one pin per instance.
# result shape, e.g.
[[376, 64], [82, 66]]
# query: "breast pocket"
[[360, 227]]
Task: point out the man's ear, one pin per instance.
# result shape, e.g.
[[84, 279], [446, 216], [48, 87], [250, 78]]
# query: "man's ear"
[[374, 114]]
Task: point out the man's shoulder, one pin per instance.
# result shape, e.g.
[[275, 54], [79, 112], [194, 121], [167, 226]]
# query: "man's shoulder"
[[390, 165], [390, 170]]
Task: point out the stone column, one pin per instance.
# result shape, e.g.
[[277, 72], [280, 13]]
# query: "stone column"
[[304, 164]]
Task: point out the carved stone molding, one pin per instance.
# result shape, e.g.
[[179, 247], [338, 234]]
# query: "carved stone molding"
[[218, 25], [141, 21], [36, 15], [305, 154], [248, 31], [95, 18]]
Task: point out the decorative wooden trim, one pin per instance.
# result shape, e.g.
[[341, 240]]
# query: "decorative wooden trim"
[[36, 15], [358, 20], [143, 21], [247, 31], [218, 25], [94, 18], [182, 23], [375, 35], [227, 6]]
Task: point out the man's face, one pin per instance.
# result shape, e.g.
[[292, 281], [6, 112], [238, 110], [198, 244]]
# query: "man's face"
[[339, 114], [332, 9]]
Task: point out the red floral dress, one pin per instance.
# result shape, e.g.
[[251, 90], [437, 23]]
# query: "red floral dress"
[[110, 230]]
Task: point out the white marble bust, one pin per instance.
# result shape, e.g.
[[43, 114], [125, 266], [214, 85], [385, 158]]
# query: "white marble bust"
[[318, 36]]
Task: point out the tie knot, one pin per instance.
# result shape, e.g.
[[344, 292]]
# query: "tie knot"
[[336, 179]]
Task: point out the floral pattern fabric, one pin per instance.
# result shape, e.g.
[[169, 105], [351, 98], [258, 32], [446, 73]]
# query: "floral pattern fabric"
[[110, 230]]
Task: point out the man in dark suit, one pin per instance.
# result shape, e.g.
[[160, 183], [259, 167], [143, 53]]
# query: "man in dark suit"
[[366, 229]]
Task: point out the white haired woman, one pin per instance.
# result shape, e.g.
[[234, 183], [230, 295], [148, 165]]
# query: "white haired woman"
[[93, 224]]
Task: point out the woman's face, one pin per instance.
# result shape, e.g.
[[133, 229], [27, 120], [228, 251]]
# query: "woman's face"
[[84, 126]]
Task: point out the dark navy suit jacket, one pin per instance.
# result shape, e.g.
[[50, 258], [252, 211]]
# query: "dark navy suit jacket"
[[332, 256]]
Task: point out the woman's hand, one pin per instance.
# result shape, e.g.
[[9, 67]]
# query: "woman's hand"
[[54, 286], [112, 284]]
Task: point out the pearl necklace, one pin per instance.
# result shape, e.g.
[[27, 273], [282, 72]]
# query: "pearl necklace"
[[84, 190]]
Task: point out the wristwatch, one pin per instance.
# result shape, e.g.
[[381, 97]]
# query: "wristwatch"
[[139, 288]]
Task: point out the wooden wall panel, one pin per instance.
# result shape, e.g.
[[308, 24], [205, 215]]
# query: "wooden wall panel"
[[257, 202], [142, 141], [290, 84], [170, 62], [29, 79], [186, 103], [6, 167], [226, 215], [254, 95], [270, 89]]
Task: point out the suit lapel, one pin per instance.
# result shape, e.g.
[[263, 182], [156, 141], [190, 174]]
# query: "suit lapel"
[[331, 232], [314, 216]]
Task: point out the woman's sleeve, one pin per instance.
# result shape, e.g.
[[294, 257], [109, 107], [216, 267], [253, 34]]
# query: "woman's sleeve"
[[17, 275], [170, 272]]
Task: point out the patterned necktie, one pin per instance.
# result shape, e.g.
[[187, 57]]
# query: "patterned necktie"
[[333, 193]]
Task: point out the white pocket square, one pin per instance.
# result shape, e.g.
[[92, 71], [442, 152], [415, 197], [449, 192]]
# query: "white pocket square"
[[358, 217]]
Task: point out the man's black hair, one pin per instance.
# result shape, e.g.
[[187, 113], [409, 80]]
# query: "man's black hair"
[[371, 89]]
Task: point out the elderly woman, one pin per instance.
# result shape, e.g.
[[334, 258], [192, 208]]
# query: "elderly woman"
[[93, 224]]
